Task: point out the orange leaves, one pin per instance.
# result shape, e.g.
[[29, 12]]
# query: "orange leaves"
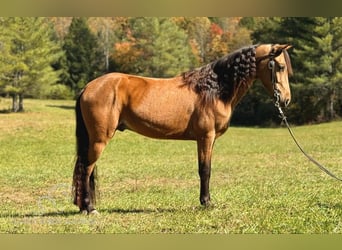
[[126, 54]]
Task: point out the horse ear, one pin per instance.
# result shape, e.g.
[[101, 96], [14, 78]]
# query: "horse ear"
[[277, 49], [280, 47], [288, 46]]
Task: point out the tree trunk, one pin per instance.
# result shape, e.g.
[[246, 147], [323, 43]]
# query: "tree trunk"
[[331, 111], [21, 103], [15, 103]]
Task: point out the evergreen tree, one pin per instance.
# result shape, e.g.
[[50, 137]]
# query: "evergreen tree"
[[82, 54], [336, 95], [266, 30], [171, 51], [299, 32], [28, 53], [154, 47], [321, 59], [316, 58], [6, 57]]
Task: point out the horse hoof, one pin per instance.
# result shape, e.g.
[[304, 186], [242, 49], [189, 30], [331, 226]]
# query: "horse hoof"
[[84, 212], [205, 202], [94, 212]]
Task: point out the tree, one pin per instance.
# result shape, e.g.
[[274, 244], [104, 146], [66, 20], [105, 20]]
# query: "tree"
[[106, 29], [198, 29], [325, 63], [217, 45], [28, 54], [265, 29], [153, 47], [299, 32], [316, 58], [235, 35], [82, 54], [336, 97]]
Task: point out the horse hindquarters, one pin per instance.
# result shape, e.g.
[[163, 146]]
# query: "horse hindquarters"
[[91, 140]]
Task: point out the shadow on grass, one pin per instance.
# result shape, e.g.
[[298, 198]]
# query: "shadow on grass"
[[138, 210], [76, 212], [325, 205], [35, 214], [5, 111], [61, 106]]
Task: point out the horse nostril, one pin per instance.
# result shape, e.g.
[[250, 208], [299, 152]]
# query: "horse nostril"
[[287, 102]]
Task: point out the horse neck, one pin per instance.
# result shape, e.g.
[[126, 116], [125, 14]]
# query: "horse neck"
[[241, 91]]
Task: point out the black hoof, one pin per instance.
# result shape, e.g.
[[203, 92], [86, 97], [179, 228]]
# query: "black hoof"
[[205, 202]]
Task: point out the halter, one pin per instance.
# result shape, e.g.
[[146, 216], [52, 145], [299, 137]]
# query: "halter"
[[271, 66], [274, 79]]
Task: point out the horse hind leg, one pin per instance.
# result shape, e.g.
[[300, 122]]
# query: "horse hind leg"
[[84, 180], [94, 131], [99, 137], [89, 198]]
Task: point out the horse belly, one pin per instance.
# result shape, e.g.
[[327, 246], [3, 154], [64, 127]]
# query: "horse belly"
[[161, 116]]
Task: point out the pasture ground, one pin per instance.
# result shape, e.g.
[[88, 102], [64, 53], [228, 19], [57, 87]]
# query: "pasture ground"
[[260, 181]]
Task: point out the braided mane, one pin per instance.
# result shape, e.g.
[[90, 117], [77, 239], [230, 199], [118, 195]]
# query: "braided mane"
[[220, 78]]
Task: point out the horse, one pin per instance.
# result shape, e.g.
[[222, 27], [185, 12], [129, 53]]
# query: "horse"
[[195, 105]]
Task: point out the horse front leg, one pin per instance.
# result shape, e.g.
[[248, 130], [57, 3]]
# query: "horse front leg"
[[204, 148]]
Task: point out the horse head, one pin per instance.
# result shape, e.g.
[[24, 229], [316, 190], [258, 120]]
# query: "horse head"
[[273, 69]]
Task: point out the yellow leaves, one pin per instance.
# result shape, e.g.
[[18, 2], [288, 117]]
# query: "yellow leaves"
[[126, 55]]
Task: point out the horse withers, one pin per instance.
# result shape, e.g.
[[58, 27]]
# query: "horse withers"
[[196, 105]]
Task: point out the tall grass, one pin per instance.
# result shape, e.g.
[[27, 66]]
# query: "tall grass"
[[260, 181]]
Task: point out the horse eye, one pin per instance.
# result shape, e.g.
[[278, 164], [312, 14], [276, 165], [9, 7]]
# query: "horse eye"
[[281, 67]]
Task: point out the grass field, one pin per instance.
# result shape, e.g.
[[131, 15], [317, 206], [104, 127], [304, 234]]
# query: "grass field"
[[260, 181]]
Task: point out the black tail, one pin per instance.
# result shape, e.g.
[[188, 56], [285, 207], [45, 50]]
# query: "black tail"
[[82, 146]]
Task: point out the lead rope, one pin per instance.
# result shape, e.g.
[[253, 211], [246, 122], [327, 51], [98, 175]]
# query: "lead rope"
[[283, 117]]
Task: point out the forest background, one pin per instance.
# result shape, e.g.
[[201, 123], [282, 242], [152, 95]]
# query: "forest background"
[[54, 57]]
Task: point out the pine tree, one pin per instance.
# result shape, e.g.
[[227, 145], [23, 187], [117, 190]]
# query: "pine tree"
[[171, 51], [299, 32], [322, 64], [336, 95], [266, 30], [316, 58], [153, 47], [82, 54], [29, 52]]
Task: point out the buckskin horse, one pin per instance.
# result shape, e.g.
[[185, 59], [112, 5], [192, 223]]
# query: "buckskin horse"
[[196, 105]]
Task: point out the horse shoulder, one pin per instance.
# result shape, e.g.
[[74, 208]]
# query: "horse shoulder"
[[223, 113]]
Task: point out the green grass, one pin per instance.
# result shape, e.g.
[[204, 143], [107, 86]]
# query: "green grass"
[[260, 181]]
